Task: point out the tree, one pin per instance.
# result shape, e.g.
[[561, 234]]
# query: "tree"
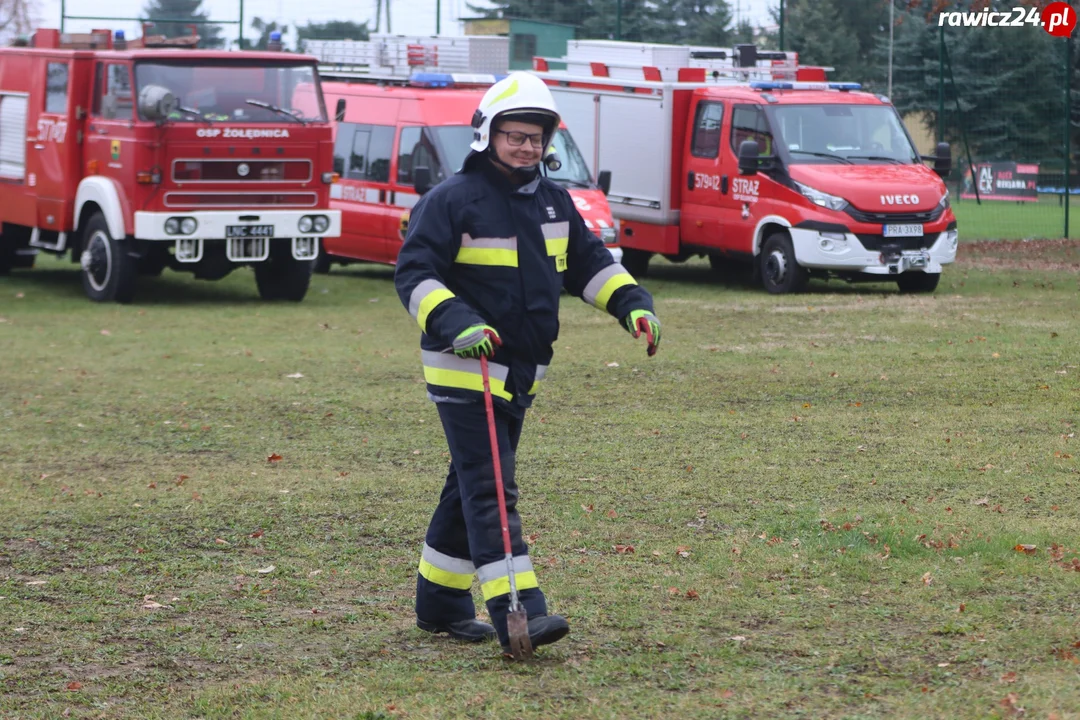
[[332, 30], [264, 29], [16, 16], [185, 11]]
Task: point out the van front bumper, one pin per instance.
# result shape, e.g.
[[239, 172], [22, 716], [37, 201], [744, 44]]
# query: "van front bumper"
[[846, 252]]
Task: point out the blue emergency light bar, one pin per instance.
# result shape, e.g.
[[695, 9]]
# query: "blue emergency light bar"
[[805, 85], [449, 80]]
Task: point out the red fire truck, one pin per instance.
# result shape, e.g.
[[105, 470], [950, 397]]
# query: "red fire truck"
[[742, 155], [133, 156], [402, 103]]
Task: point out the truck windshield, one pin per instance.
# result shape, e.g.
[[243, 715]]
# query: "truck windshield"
[[453, 142], [573, 172], [222, 91], [859, 134]]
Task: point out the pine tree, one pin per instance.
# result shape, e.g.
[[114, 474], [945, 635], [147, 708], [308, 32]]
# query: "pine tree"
[[186, 11]]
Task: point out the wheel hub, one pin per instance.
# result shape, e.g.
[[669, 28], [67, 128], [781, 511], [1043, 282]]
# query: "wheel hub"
[[96, 261], [776, 267]]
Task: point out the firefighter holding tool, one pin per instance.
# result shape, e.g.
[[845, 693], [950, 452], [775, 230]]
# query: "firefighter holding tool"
[[486, 256]]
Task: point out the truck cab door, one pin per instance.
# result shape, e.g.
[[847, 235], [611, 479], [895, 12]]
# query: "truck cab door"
[[745, 205], [110, 138], [705, 181], [53, 144]]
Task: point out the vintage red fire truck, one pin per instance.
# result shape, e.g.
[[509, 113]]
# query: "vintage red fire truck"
[[402, 103], [742, 155], [134, 156]]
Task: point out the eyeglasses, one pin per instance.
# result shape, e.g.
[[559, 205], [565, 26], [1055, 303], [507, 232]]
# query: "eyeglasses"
[[517, 139]]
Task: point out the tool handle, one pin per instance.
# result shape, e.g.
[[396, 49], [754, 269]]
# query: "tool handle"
[[643, 326], [489, 406]]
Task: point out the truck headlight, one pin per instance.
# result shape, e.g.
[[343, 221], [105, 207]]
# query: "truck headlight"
[[823, 199], [172, 226], [944, 202], [305, 224], [188, 226], [322, 223]]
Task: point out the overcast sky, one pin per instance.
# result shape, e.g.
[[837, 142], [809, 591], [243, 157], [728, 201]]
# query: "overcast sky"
[[408, 17]]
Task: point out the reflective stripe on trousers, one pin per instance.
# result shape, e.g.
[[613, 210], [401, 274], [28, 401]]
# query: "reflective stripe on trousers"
[[495, 578], [444, 570]]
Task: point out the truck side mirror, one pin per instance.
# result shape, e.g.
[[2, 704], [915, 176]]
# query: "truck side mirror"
[[156, 102], [421, 179], [603, 180], [339, 110], [748, 157], [943, 159]]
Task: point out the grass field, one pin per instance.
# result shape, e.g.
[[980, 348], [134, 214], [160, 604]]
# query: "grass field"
[[842, 504], [1044, 219]]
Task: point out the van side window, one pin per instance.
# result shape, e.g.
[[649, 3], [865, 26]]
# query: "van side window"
[[416, 150], [380, 150], [362, 152], [56, 88], [707, 122], [112, 92], [748, 122]]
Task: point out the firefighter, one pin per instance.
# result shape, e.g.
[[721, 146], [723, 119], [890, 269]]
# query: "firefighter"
[[485, 258]]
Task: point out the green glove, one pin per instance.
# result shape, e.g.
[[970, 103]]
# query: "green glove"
[[476, 341], [639, 321]]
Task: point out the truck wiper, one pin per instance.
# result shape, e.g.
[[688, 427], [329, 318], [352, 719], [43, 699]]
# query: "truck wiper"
[[841, 158], [275, 108], [571, 181], [878, 157], [194, 113]]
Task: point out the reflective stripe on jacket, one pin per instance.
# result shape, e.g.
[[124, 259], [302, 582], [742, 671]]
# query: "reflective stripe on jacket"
[[480, 251]]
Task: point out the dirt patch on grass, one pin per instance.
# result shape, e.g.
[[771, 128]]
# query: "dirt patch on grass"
[[1042, 255]]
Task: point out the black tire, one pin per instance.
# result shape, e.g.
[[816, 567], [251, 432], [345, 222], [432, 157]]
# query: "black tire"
[[636, 262], [780, 273], [282, 277], [7, 254], [917, 282], [109, 270], [322, 261]]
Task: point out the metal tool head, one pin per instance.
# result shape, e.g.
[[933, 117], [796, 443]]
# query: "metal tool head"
[[517, 627]]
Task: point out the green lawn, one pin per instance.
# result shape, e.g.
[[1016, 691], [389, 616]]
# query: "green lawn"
[[824, 495], [1043, 219]]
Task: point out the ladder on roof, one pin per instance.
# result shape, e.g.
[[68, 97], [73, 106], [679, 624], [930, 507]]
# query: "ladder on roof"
[[398, 57], [656, 62]]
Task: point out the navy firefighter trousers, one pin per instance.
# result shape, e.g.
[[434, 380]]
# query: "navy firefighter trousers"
[[465, 536]]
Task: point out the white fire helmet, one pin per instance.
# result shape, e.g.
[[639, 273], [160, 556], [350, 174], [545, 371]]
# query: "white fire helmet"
[[518, 93]]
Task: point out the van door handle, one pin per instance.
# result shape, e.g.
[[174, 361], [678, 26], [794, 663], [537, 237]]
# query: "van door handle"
[[39, 146], [690, 180], [723, 184]]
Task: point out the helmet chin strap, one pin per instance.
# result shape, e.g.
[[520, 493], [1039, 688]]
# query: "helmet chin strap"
[[527, 172]]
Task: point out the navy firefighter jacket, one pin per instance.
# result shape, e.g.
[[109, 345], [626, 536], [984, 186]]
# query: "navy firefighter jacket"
[[480, 251]]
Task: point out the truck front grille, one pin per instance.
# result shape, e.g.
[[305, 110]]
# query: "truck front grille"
[[232, 200]]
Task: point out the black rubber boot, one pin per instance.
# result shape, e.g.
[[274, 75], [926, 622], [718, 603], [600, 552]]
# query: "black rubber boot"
[[467, 630], [544, 630]]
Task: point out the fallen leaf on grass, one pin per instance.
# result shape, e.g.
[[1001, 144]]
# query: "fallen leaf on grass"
[[927, 578], [1009, 677], [623, 549], [37, 582], [106, 332], [673, 591], [613, 364], [981, 501], [587, 508], [74, 686], [1026, 549], [257, 534], [180, 479], [295, 376], [273, 457], [222, 541], [612, 514], [657, 553], [266, 570], [682, 551], [691, 595], [727, 694]]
